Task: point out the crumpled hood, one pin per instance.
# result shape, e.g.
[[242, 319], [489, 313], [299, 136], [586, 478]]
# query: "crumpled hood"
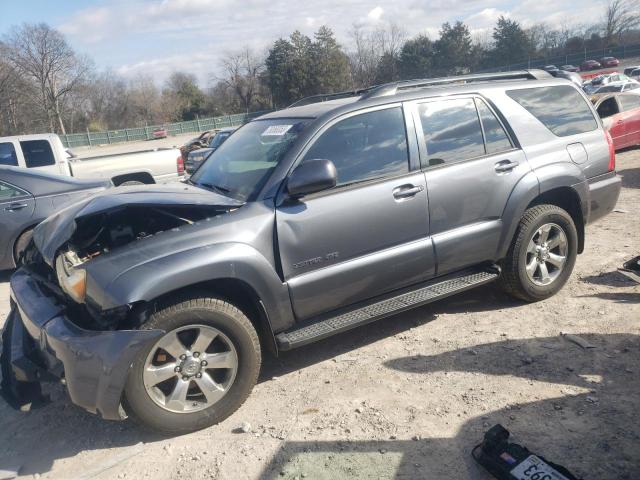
[[51, 234]]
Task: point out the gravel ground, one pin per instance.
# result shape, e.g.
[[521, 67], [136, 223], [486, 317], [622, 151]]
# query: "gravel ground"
[[407, 397]]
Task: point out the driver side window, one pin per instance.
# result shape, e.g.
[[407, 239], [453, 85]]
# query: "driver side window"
[[365, 146]]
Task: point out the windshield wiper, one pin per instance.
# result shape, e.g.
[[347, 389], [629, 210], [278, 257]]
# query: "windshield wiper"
[[218, 188]]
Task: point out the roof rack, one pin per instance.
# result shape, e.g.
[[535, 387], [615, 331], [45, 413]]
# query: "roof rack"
[[395, 87], [323, 97]]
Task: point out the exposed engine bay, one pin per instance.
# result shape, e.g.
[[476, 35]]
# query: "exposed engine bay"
[[101, 233]]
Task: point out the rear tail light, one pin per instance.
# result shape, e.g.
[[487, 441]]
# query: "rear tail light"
[[612, 152], [180, 165]]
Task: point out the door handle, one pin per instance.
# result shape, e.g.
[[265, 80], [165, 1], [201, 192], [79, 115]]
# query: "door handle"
[[406, 191], [506, 166], [16, 206]]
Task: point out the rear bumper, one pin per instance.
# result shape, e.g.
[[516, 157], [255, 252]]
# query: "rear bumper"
[[45, 344], [604, 191]]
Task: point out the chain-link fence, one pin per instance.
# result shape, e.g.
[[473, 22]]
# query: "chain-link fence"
[[146, 133], [576, 58]]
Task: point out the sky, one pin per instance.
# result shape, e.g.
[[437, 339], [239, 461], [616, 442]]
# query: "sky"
[[156, 37]]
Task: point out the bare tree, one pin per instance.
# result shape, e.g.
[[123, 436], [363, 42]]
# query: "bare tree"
[[373, 47], [620, 16], [41, 54], [241, 72]]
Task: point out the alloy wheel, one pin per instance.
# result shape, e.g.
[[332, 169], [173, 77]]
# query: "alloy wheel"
[[190, 368], [546, 254]]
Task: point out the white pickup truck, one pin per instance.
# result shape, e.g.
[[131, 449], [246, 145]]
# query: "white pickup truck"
[[45, 152]]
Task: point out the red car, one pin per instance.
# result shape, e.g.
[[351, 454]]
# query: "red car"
[[160, 132], [590, 65], [609, 62], [620, 113]]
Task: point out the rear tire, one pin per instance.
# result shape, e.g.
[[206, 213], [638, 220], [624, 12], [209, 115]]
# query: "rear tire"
[[542, 254], [154, 406]]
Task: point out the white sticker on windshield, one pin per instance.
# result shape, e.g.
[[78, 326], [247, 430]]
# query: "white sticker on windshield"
[[276, 130]]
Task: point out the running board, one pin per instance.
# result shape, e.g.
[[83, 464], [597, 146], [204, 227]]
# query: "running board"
[[405, 301]]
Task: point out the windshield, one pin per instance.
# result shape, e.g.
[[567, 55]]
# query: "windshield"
[[243, 163]]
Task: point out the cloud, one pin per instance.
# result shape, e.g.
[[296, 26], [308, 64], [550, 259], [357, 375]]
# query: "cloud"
[[160, 36], [375, 14]]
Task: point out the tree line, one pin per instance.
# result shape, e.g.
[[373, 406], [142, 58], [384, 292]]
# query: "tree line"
[[46, 86]]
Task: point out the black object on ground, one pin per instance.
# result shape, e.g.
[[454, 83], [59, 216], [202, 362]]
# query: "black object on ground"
[[631, 269], [506, 460]]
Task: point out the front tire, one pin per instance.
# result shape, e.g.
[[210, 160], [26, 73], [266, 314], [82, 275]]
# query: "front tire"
[[198, 373], [21, 245], [542, 254]]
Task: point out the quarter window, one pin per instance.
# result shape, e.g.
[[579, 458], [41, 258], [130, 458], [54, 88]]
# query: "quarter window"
[[561, 108], [365, 146], [495, 138], [8, 155], [7, 192], [451, 130], [37, 153]]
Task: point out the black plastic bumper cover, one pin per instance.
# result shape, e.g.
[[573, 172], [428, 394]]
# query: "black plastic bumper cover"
[[95, 363], [604, 191]]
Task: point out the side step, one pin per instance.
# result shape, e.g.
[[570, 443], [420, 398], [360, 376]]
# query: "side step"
[[405, 301]]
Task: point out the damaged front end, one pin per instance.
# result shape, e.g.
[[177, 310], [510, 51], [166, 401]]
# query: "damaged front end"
[[58, 329]]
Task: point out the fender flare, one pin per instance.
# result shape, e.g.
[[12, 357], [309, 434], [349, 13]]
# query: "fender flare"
[[536, 183]]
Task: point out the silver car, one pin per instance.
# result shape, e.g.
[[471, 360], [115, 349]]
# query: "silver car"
[[27, 198]]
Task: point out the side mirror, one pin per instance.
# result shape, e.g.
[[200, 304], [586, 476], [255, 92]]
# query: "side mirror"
[[312, 176]]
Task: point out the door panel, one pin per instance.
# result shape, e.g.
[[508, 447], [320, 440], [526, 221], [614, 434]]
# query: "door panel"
[[466, 205], [352, 244], [471, 169]]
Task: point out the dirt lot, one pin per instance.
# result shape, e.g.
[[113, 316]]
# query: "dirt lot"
[[407, 397]]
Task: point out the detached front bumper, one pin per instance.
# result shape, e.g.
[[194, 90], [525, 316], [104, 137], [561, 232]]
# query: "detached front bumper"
[[44, 344]]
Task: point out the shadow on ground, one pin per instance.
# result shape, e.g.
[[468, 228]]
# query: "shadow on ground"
[[591, 427], [630, 177], [609, 279], [482, 299], [617, 297]]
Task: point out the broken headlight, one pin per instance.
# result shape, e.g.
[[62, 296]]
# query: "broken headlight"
[[71, 277]]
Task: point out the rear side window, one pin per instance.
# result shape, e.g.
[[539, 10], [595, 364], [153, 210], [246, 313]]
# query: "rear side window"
[[7, 192], [496, 139], [451, 131], [629, 102], [561, 108], [366, 146], [37, 153], [8, 155]]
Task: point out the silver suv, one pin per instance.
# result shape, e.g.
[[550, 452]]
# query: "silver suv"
[[157, 302]]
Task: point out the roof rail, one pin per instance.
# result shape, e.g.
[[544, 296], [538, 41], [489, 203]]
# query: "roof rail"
[[323, 97], [395, 87]]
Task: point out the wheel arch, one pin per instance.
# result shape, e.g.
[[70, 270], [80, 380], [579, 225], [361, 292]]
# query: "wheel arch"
[[558, 184], [568, 199], [237, 292], [14, 244]]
